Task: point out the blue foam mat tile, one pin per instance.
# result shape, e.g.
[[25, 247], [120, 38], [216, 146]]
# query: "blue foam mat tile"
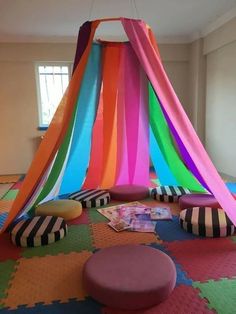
[[3, 218], [182, 278], [72, 307], [170, 230]]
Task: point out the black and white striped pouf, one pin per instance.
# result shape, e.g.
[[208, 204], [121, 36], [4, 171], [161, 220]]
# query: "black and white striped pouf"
[[168, 193], [91, 198], [206, 222], [38, 231]]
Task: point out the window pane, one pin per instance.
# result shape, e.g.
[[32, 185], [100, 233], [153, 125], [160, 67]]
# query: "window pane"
[[64, 69], [53, 81]]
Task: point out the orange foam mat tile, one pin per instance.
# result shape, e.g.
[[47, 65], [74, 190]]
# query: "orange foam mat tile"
[[105, 236], [9, 178], [5, 205], [47, 279]]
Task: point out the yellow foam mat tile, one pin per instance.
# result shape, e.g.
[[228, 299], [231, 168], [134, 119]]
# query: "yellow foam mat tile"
[[105, 236], [46, 279], [5, 205]]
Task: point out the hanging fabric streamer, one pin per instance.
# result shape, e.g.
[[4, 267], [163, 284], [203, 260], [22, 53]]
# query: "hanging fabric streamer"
[[161, 167], [58, 166], [111, 62], [141, 174], [85, 116], [94, 174], [132, 107], [122, 174], [136, 32], [163, 137]]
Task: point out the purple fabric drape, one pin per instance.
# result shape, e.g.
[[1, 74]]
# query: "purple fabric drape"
[[82, 42]]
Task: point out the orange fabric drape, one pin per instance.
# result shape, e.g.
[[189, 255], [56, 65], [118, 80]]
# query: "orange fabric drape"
[[111, 61]]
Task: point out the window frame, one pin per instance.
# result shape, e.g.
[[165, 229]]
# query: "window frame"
[[69, 64]]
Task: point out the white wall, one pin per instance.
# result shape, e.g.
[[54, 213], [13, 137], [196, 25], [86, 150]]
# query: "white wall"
[[175, 58], [19, 136], [221, 108], [197, 87]]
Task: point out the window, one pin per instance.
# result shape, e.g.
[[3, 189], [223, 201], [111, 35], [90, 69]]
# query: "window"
[[52, 81]]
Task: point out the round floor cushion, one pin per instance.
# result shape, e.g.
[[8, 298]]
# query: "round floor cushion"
[[167, 193], [91, 198], [67, 209], [129, 277], [38, 231], [206, 222], [198, 200], [129, 192]]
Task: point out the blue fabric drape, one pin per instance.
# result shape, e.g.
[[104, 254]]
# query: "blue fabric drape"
[[161, 167], [87, 105]]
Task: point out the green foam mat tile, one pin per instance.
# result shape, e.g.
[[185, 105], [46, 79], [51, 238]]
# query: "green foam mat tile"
[[95, 216], [6, 270], [10, 195], [77, 240], [221, 294], [234, 239]]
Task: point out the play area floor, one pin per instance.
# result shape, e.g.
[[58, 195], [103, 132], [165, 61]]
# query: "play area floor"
[[48, 279]]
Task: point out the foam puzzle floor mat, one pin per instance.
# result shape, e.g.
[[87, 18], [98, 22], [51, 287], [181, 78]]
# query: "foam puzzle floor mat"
[[48, 279], [4, 188], [10, 178]]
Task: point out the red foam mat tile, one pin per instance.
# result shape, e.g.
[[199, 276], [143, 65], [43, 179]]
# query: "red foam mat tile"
[[205, 259], [7, 249], [83, 219], [183, 300]]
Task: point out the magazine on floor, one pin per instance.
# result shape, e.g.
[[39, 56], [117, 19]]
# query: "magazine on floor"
[[160, 213], [135, 216], [120, 210]]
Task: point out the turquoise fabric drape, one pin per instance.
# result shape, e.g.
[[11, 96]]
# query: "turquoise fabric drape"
[[86, 112], [160, 165]]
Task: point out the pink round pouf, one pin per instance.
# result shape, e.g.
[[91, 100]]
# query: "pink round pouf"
[[129, 192], [198, 200], [129, 277]]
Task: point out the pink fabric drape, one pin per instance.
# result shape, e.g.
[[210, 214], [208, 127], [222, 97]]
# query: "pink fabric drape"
[[132, 107], [132, 121], [149, 59], [141, 175], [122, 173]]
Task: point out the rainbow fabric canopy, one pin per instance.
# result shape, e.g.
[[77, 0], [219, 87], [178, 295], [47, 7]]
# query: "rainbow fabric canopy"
[[119, 109]]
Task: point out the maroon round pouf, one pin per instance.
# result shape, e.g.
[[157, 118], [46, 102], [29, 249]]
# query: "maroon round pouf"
[[129, 192], [198, 200], [129, 277]]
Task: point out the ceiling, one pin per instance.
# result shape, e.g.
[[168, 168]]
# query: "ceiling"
[[59, 20]]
